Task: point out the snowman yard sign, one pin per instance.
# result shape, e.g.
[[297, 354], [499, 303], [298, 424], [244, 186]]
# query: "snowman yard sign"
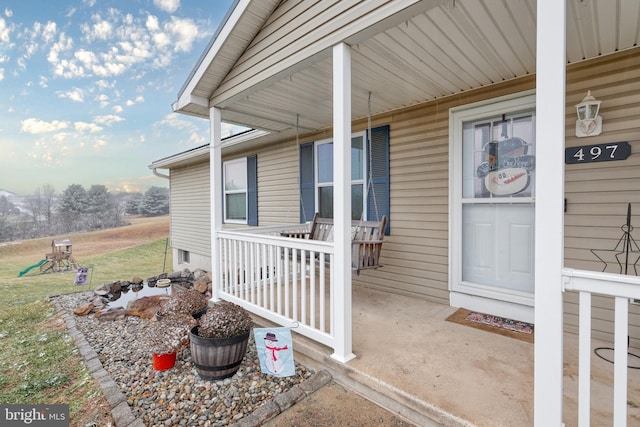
[[275, 351]]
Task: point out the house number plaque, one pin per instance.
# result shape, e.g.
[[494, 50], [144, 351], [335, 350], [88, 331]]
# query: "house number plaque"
[[597, 153]]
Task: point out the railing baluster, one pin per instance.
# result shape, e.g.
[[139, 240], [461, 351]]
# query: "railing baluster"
[[312, 289], [322, 289], [295, 285], [252, 272], [287, 257], [245, 272], [303, 287], [271, 271], [279, 278], [584, 361], [620, 343]]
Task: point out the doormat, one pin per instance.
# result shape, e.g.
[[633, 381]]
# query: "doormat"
[[498, 325]]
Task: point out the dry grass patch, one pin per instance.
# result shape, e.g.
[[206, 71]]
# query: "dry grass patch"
[[45, 365]]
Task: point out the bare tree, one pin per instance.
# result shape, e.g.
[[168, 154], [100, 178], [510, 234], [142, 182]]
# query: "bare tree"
[[34, 205], [48, 202]]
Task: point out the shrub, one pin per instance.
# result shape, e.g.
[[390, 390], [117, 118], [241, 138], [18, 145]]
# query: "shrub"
[[188, 301], [224, 320], [169, 334]]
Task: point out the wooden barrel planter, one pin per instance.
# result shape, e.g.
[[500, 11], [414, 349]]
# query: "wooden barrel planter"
[[217, 358]]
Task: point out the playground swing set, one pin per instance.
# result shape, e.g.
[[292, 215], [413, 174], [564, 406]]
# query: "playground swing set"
[[60, 259]]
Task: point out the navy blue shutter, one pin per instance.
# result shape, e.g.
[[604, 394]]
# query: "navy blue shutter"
[[378, 165], [307, 183], [252, 190]]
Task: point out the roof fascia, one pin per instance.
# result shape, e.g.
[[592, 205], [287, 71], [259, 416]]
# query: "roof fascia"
[[213, 48]]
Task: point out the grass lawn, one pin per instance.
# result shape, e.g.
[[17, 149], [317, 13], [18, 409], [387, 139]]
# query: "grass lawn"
[[40, 364]]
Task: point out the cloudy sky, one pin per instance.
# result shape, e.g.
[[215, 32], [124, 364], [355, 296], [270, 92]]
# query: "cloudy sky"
[[86, 88]]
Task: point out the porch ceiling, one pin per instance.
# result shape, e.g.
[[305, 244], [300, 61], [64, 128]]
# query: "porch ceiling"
[[451, 48]]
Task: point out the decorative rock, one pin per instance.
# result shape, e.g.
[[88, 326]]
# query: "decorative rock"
[[117, 313], [84, 309], [145, 307], [137, 280], [116, 287], [202, 284], [102, 290]]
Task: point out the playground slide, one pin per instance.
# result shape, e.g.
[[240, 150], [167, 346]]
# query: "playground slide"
[[26, 270]]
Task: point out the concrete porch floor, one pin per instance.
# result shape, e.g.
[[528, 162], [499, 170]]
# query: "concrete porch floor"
[[433, 372]]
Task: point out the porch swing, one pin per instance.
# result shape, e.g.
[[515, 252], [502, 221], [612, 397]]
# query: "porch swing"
[[366, 235]]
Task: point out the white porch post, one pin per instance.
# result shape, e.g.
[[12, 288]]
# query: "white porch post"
[[342, 202], [215, 179], [549, 239]]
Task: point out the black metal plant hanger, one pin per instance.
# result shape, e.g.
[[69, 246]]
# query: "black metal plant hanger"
[[629, 247]]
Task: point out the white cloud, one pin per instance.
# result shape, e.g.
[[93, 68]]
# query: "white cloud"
[[196, 134], [87, 127], [184, 31], [43, 82], [1, 74], [108, 119], [152, 23], [197, 138], [101, 30], [4, 31], [87, 58], [117, 108], [32, 125], [8, 13], [76, 94], [167, 5], [63, 44], [103, 84], [102, 99], [49, 32]]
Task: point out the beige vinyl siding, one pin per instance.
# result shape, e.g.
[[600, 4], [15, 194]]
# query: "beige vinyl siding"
[[598, 193], [278, 187], [415, 256], [190, 209]]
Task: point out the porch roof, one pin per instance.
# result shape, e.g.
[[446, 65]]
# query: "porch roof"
[[405, 52]]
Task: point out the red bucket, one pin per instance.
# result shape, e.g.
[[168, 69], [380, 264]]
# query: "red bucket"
[[162, 362]]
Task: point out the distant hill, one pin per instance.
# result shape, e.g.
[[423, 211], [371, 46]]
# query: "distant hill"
[[7, 194]]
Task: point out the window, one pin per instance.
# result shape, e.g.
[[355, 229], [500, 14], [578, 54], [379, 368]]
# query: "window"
[[183, 256], [324, 169], [240, 191], [369, 177]]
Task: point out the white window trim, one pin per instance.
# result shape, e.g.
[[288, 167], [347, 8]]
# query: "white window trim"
[[182, 258], [245, 192], [362, 181], [458, 115]]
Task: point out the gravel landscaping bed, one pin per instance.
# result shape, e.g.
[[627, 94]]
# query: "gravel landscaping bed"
[[176, 396]]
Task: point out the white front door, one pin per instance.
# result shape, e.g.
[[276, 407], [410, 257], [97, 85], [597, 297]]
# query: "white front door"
[[492, 207]]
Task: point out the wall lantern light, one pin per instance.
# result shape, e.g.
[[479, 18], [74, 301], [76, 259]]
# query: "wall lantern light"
[[589, 123]]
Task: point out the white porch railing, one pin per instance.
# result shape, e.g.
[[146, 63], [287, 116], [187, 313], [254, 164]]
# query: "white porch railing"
[[285, 280], [622, 288]]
